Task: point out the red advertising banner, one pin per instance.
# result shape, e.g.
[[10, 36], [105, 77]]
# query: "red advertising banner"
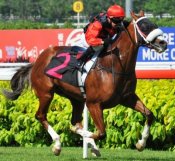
[[20, 46], [26, 45]]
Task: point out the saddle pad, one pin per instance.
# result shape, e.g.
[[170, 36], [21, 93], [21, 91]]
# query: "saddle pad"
[[63, 67]]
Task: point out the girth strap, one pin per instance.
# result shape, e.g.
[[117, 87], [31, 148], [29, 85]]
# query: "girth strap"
[[80, 84]]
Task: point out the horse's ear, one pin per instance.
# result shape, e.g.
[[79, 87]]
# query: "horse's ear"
[[133, 15], [141, 13]]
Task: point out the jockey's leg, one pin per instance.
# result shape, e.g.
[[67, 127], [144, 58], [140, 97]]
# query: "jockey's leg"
[[85, 56], [89, 53]]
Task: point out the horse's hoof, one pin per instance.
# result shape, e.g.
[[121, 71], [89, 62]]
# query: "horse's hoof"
[[95, 152], [140, 147], [56, 151], [74, 129]]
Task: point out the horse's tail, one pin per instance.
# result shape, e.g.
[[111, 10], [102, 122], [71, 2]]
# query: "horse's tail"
[[19, 81]]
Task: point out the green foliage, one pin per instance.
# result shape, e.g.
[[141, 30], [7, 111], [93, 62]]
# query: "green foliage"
[[68, 24], [124, 126], [156, 7], [164, 22], [159, 7], [25, 25], [18, 125], [60, 10]]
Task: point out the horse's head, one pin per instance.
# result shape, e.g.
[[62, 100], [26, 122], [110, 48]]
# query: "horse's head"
[[147, 33]]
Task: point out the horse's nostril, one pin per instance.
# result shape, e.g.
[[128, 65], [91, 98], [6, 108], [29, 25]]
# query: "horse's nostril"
[[162, 42]]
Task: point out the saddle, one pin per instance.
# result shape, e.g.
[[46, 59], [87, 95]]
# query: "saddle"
[[63, 66]]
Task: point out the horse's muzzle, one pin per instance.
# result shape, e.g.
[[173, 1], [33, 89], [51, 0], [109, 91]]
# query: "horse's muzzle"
[[159, 46]]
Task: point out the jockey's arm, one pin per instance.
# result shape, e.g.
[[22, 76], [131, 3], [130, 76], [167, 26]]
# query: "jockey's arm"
[[92, 34]]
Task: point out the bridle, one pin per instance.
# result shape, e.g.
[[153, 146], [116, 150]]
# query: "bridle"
[[146, 38]]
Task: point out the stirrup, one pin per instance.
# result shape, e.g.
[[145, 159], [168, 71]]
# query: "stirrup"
[[79, 64]]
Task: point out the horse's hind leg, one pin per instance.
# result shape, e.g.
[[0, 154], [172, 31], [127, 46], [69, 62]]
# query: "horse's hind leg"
[[135, 103], [44, 102]]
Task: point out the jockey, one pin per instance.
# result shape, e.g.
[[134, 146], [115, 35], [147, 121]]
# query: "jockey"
[[99, 32]]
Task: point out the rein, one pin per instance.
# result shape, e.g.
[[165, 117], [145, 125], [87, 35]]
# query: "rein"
[[100, 67], [137, 32], [111, 70], [135, 43]]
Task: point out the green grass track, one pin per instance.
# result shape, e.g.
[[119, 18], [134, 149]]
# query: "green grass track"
[[75, 154]]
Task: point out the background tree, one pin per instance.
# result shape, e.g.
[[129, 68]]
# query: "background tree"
[[159, 7], [56, 10], [6, 7], [61, 11], [170, 7], [137, 5], [94, 7]]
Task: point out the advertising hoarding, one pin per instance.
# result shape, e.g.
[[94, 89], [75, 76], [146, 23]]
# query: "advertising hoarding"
[[24, 46]]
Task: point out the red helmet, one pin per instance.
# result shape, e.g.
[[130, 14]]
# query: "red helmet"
[[115, 11]]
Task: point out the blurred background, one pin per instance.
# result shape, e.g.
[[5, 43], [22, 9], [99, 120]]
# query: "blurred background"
[[60, 13]]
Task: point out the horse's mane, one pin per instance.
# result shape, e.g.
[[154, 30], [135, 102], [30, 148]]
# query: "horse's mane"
[[126, 23], [107, 50]]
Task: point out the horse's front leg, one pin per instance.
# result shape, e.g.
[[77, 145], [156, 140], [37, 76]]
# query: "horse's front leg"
[[88, 137], [97, 115], [140, 145], [134, 102], [78, 127]]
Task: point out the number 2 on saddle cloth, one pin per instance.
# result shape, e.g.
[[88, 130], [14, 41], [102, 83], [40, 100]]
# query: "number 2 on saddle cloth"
[[63, 65]]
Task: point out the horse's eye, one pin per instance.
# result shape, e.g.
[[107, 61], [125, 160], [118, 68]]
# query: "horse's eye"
[[145, 27]]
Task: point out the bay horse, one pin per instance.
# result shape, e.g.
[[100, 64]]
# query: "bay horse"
[[110, 82]]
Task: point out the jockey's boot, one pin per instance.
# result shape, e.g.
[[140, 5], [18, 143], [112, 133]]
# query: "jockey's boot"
[[85, 56]]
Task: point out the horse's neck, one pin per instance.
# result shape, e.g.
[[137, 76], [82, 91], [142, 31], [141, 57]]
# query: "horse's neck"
[[125, 57], [128, 48]]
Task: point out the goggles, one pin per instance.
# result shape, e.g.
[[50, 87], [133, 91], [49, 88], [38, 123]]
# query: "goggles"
[[116, 20]]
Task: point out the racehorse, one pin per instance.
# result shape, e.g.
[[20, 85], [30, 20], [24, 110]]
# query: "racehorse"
[[110, 82]]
